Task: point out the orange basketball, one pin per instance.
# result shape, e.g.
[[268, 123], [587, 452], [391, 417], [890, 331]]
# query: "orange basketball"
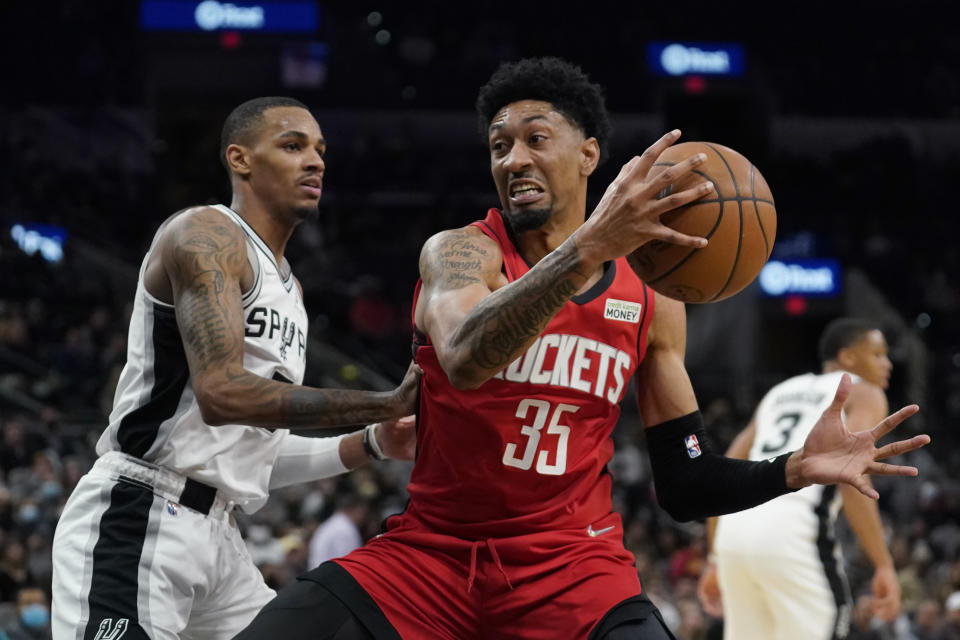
[[738, 219]]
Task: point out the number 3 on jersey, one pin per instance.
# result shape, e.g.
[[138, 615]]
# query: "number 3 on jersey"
[[786, 423], [533, 432]]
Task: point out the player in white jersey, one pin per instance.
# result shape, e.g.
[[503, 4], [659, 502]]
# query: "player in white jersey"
[[778, 566], [147, 546]]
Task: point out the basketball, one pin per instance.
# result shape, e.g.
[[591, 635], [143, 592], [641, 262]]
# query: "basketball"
[[738, 219]]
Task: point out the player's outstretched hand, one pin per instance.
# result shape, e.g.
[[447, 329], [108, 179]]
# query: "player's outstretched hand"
[[708, 590], [832, 454], [407, 393], [398, 438], [628, 214], [886, 593]]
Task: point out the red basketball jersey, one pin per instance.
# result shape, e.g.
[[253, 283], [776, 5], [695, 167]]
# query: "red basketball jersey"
[[527, 451]]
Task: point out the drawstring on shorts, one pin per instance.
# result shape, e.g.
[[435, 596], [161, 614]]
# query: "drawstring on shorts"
[[496, 560]]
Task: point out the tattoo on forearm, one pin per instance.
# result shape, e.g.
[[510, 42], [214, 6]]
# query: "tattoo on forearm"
[[207, 313], [327, 407], [269, 403], [508, 319]]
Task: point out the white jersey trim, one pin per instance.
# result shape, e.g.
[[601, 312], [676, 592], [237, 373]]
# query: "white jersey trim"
[[259, 244]]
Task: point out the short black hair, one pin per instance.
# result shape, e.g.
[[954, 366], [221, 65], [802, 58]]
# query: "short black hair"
[[842, 333], [561, 83], [244, 120]]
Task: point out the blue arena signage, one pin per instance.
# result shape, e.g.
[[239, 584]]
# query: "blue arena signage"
[[695, 58], [807, 277], [45, 239], [212, 15]]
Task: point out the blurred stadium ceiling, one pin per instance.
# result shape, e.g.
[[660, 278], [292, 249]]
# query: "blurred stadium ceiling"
[[826, 59]]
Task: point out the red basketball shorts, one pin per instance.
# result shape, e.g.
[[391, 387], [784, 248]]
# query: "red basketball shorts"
[[549, 585]]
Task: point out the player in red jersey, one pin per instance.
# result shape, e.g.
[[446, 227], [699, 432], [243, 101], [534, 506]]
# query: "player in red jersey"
[[528, 325]]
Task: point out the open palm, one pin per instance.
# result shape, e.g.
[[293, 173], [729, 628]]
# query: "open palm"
[[832, 454]]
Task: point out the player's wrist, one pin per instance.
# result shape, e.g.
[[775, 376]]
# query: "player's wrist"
[[370, 443], [584, 255], [794, 471]]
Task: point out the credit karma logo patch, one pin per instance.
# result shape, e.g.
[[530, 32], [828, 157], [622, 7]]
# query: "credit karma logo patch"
[[622, 310]]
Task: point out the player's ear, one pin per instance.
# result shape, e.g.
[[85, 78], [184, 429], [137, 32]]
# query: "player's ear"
[[589, 156], [238, 159], [846, 358]]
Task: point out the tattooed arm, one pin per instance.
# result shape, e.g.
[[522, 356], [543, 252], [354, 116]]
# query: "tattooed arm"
[[204, 256], [477, 322]]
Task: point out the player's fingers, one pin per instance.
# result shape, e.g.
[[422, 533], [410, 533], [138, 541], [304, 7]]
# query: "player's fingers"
[[628, 168], [666, 234], [661, 180], [886, 607], [863, 486], [674, 200], [648, 157], [413, 371], [626, 172], [901, 446], [840, 397], [889, 423], [886, 469]]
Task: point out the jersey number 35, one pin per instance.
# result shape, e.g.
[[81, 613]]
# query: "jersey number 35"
[[544, 412]]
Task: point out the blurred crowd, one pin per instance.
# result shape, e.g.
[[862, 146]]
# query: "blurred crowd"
[[62, 343], [110, 174], [42, 459]]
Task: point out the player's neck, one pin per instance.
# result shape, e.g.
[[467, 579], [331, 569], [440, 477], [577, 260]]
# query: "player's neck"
[[535, 244], [271, 226], [830, 367]]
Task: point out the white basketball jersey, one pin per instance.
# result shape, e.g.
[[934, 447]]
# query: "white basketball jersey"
[[155, 414], [798, 522]]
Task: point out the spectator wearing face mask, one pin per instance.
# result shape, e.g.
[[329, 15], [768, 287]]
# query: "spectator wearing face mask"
[[32, 621]]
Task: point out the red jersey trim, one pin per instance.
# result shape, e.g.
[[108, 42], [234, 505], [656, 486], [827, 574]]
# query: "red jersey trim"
[[492, 233]]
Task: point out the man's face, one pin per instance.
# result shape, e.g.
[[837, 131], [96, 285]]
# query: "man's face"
[[286, 160], [28, 597], [537, 158], [868, 359]]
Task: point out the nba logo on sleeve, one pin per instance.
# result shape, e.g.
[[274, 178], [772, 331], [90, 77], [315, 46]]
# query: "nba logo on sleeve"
[[693, 447]]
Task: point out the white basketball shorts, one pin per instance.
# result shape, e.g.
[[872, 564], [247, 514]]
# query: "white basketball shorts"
[[131, 560]]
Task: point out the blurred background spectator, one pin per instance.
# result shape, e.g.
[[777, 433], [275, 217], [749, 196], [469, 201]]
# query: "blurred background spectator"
[[858, 136]]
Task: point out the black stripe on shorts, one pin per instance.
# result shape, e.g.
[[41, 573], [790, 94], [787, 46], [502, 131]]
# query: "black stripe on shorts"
[[114, 583], [826, 542]]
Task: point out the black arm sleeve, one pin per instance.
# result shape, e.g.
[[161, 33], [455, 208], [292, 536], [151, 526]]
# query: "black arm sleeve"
[[693, 482]]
